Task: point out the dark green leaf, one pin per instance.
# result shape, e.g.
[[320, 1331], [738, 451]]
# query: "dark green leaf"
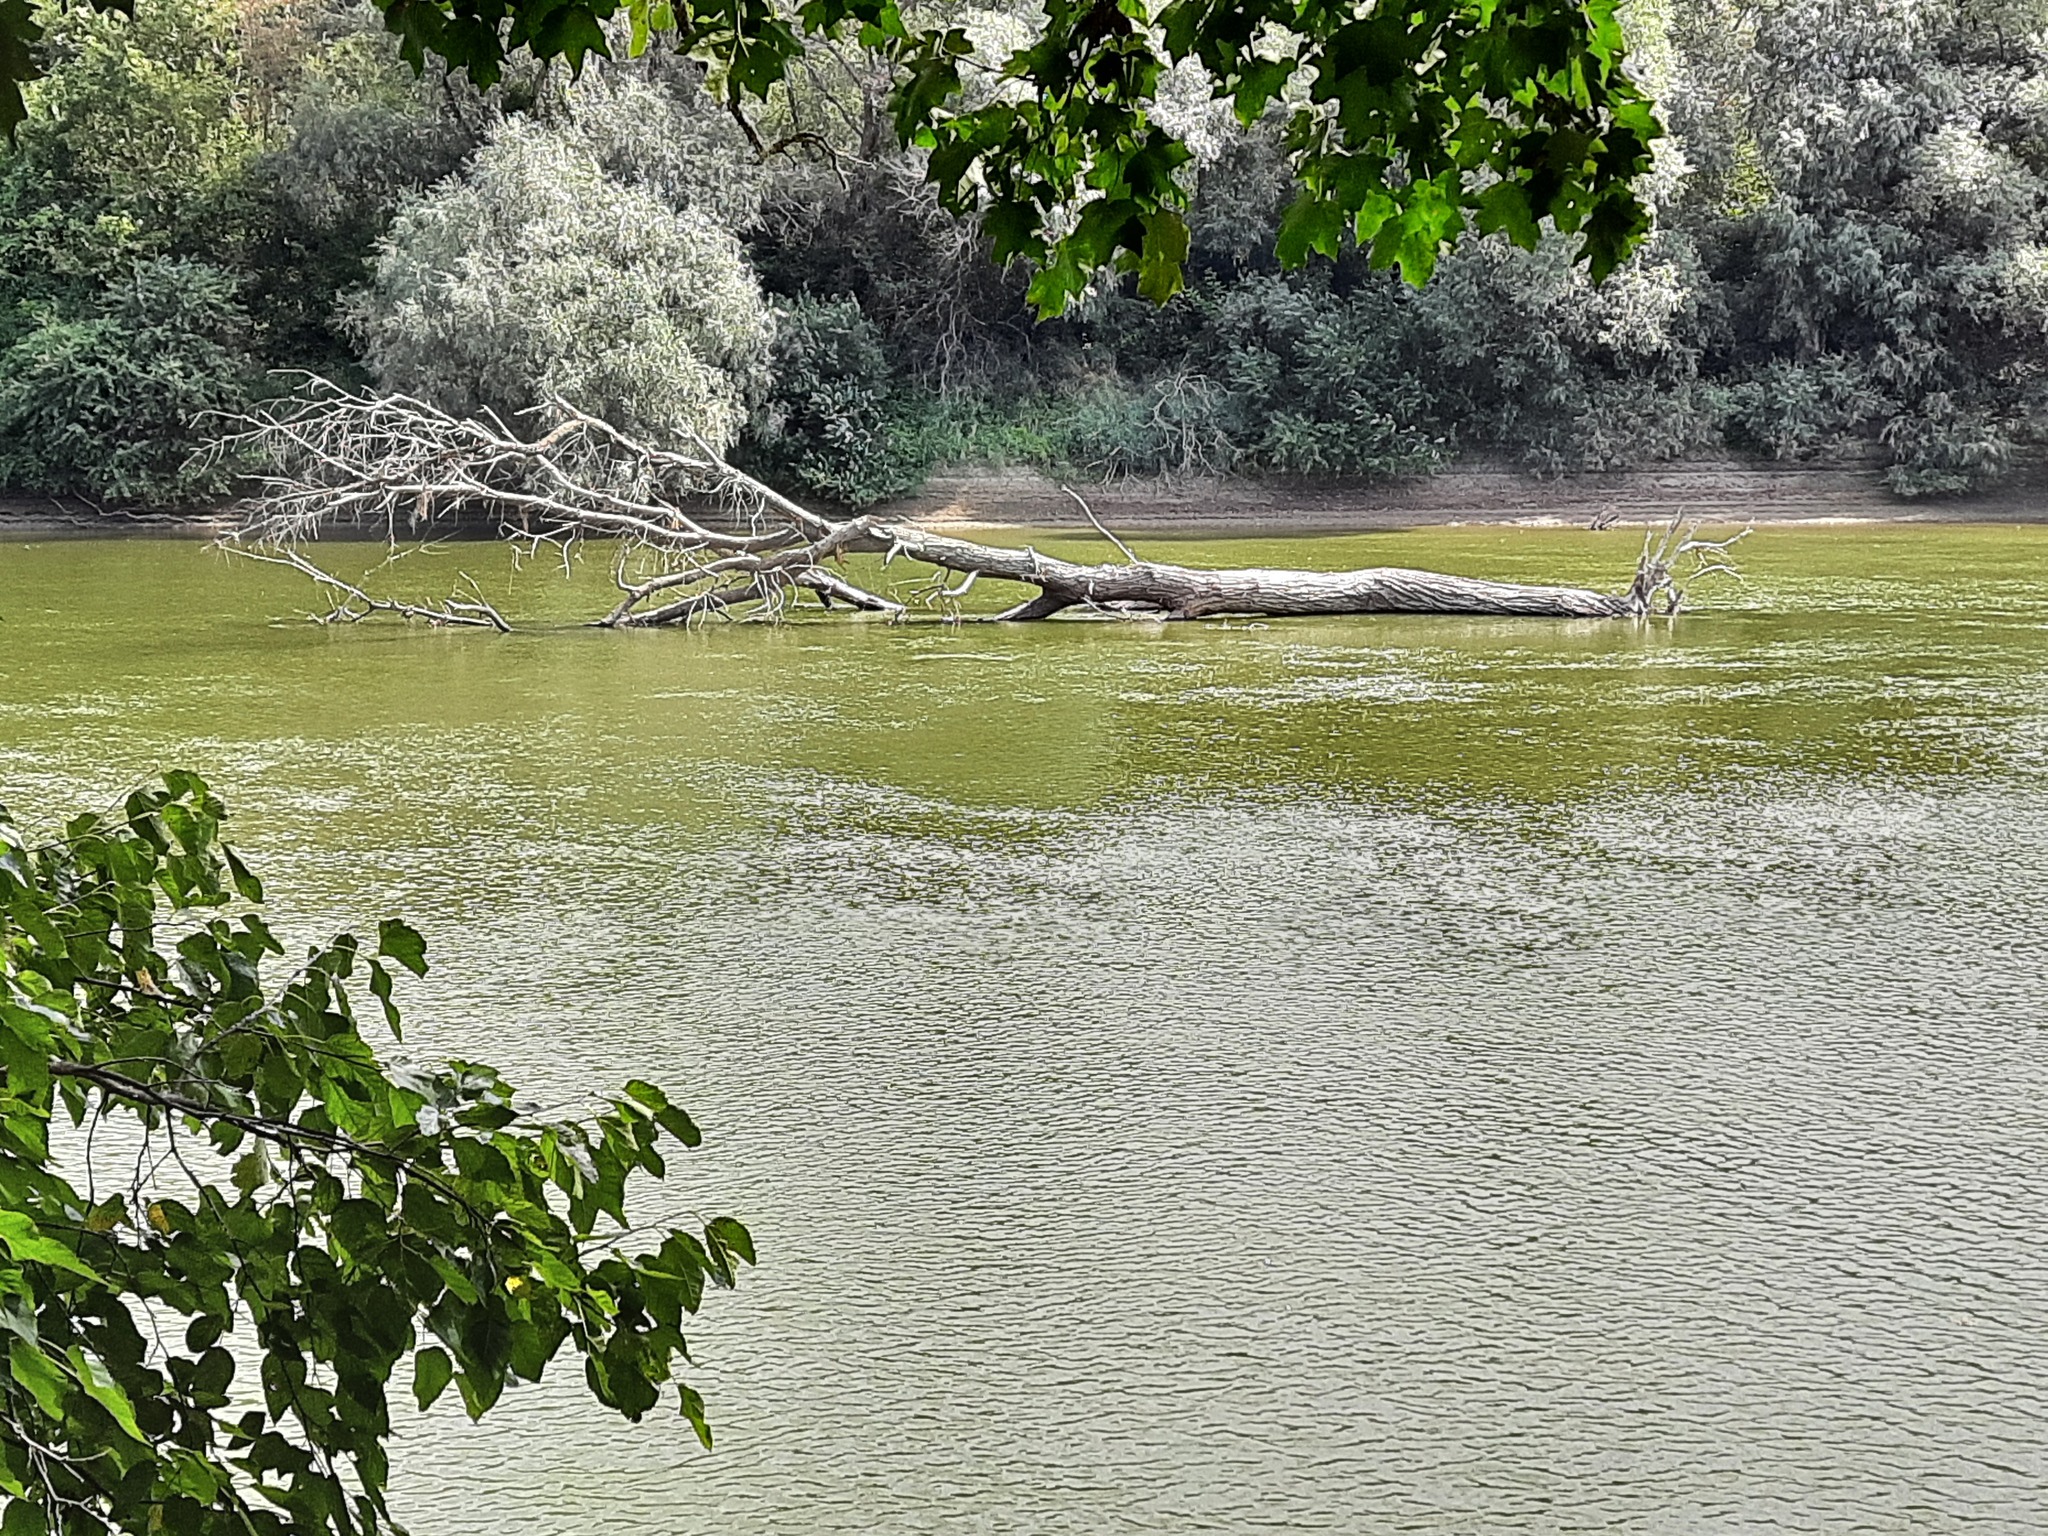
[[401, 942], [693, 1410], [42, 1376], [250, 888], [729, 1233], [432, 1370], [104, 1390]]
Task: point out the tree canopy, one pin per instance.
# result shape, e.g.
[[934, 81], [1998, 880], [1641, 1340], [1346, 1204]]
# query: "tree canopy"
[[1407, 126], [535, 274], [209, 1280], [1850, 214]]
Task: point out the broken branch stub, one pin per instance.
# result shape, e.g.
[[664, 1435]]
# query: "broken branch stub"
[[700, 539]]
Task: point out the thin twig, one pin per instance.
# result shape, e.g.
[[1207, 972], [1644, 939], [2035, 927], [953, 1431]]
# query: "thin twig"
[[1089, 513], [473, 613]]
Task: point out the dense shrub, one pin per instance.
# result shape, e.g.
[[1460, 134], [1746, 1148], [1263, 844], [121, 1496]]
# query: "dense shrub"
[[1270, 374], [134, 148], [1943, 445], [1112, 429], [1521, 354], [649, 123], [535, 273], [828, 425], [139, 119], [1313, 381], [359, 135], [952, 322], [1883, 277], [110, 405], [1788, 409]]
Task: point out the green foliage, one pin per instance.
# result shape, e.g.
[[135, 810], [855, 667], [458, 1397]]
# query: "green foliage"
[[1889, 283], [202, 1338], [1314, 379], [1408, 128], [138, 121], [1270, 375], [356, 136], [948, 316], [1522, 355], [828, 425], [1411, 127], [1789, 409], [123, 214], [135, 149], [1942, 446], [1851, 254], [19, 35], [537, 273], [111, 405], [1851, 249], [651, 125], [1112, 428]]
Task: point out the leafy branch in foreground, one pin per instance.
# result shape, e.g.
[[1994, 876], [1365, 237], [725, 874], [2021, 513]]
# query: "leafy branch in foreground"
[[259, 1188], [1407, 126]]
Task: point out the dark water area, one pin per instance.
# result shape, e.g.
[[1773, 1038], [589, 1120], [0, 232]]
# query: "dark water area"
[[1358, 1075]]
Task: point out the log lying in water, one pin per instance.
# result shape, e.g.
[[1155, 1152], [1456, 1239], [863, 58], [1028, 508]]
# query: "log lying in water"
[[403, 467], [1142, 587]]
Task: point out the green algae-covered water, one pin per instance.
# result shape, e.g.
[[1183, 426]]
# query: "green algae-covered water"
[[1359, 1075]]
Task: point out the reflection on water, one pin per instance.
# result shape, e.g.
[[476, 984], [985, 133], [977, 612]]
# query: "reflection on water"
[[1361, 1076]]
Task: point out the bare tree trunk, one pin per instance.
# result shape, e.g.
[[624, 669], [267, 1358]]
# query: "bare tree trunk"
[[399, 465], [1182, 592]]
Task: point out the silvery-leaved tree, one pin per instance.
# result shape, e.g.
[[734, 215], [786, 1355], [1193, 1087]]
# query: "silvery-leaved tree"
[[536, 273], [1409, 124], [1874, 180], [228, 1221]]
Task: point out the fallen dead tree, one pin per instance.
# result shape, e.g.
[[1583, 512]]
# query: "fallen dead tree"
[[694, 538]]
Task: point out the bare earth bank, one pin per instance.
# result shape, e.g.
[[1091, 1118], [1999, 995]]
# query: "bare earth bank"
[[1715, 490]]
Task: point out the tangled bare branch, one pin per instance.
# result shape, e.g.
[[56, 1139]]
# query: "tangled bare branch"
[[352, 604], [694, 538], [1674, 559]]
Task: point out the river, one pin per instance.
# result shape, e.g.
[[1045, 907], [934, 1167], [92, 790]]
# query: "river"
[[1376, 1075]]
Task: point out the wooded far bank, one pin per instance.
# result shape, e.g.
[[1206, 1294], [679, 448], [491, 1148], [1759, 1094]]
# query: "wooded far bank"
[[1847, 255]]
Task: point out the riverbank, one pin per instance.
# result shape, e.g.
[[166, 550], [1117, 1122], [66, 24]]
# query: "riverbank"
[[1718, 491], [61, 517]]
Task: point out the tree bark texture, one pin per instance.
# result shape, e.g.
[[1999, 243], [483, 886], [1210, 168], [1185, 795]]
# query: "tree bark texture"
[[1183, 592]]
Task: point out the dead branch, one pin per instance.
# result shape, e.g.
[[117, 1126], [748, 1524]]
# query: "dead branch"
[[1089, 513], [698, 539], [1674, 559], [352, 604]]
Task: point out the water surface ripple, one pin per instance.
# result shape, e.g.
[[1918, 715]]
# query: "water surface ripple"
[[1363, 1077]]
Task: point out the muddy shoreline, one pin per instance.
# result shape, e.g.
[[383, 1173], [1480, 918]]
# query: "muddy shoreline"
[[1719, 491]]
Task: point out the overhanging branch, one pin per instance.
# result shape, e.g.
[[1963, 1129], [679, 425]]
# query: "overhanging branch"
[[280, 1133]]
